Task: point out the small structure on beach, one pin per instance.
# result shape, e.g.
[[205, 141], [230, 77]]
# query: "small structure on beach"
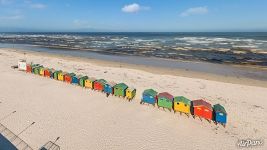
[[120, 89], [29, 67], [75, 79], [202, 109], [182, 104], [130, 93], [89, 83], [55, 74], [165, 100], [49, 73], [109, 88], [42, 70], [68, 77], [82, 80], [61, 76], [36, 69], [99, 85], [219, 113], [22, 65], [149, 96]]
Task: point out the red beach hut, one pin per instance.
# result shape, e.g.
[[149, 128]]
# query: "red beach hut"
[[202, 109], [68, 77], [29, 68], [99, 85]]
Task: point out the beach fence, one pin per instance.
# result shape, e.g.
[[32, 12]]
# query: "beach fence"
[[14, 141]]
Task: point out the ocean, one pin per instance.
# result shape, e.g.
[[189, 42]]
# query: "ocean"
[[223, 47]]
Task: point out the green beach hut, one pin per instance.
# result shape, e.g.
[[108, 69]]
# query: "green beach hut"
[[82, 80], [165, 100], [55, 74], [120, 89]]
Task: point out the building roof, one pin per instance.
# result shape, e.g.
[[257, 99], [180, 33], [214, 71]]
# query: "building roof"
[[166, 95], [150, 92], [131, 88], [182, 99], [121, 85], [201, 102], [219, 108], [111, 83], [103, 81], [71, 74]]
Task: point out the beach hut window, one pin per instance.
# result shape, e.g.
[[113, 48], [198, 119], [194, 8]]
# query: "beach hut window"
[[221, 114], [151, 96], [206, 110], [177, 103], [185, 105], [199, 108]]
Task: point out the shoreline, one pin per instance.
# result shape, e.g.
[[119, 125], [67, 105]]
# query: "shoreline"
[[156, 70], [78, 115]]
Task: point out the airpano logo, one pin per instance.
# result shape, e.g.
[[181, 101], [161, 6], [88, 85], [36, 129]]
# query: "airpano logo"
[[249, 143]]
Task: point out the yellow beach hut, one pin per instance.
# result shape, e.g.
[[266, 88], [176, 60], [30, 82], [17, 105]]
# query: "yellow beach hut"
[[89, 83], [42, 71], [182, 104], [61, 76], [130, 93]]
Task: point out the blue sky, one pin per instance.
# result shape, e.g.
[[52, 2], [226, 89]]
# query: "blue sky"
[[133, 15]]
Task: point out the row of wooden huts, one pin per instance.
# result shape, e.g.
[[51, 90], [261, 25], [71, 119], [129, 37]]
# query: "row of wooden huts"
[[109, 88], [200, 107]]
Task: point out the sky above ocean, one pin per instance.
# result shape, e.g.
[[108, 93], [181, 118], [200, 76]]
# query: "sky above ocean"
[[133, 15]]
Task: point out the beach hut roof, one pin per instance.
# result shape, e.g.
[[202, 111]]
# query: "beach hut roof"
[[84, 77], [72, 74], [111, 83], [166, 95], [219, 108], [182, 99], [201, 102], [150, 92], [121, 85], [103, 81]]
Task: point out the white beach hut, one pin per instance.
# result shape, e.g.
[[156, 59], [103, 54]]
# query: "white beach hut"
[[22, 65]]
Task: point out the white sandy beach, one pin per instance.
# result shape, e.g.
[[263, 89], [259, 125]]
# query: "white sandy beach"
[[85, 119]]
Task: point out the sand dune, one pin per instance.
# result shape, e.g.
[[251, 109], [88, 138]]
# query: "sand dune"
[[86, 119]]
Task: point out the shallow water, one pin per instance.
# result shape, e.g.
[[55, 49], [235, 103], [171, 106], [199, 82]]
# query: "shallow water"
[[233, 48], [218, 69]]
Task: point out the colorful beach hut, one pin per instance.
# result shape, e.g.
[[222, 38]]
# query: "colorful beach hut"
[[149, 96], [61, 76], [100, 84], [68, 77], [130, 93], [75, 79], [48, 72], [37, 69], [55, 74], [42, 70], [202, 109], [89, 83], [33, 66], [120, 89], [165, 100], [22, 65], [108, 88], [220, 115], [82, 81], [182, 104], [29, 67]]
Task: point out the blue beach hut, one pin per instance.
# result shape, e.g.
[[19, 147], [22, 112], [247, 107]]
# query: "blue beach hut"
[[220, 115], [149, 96], [108, 88], [75, 79]]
